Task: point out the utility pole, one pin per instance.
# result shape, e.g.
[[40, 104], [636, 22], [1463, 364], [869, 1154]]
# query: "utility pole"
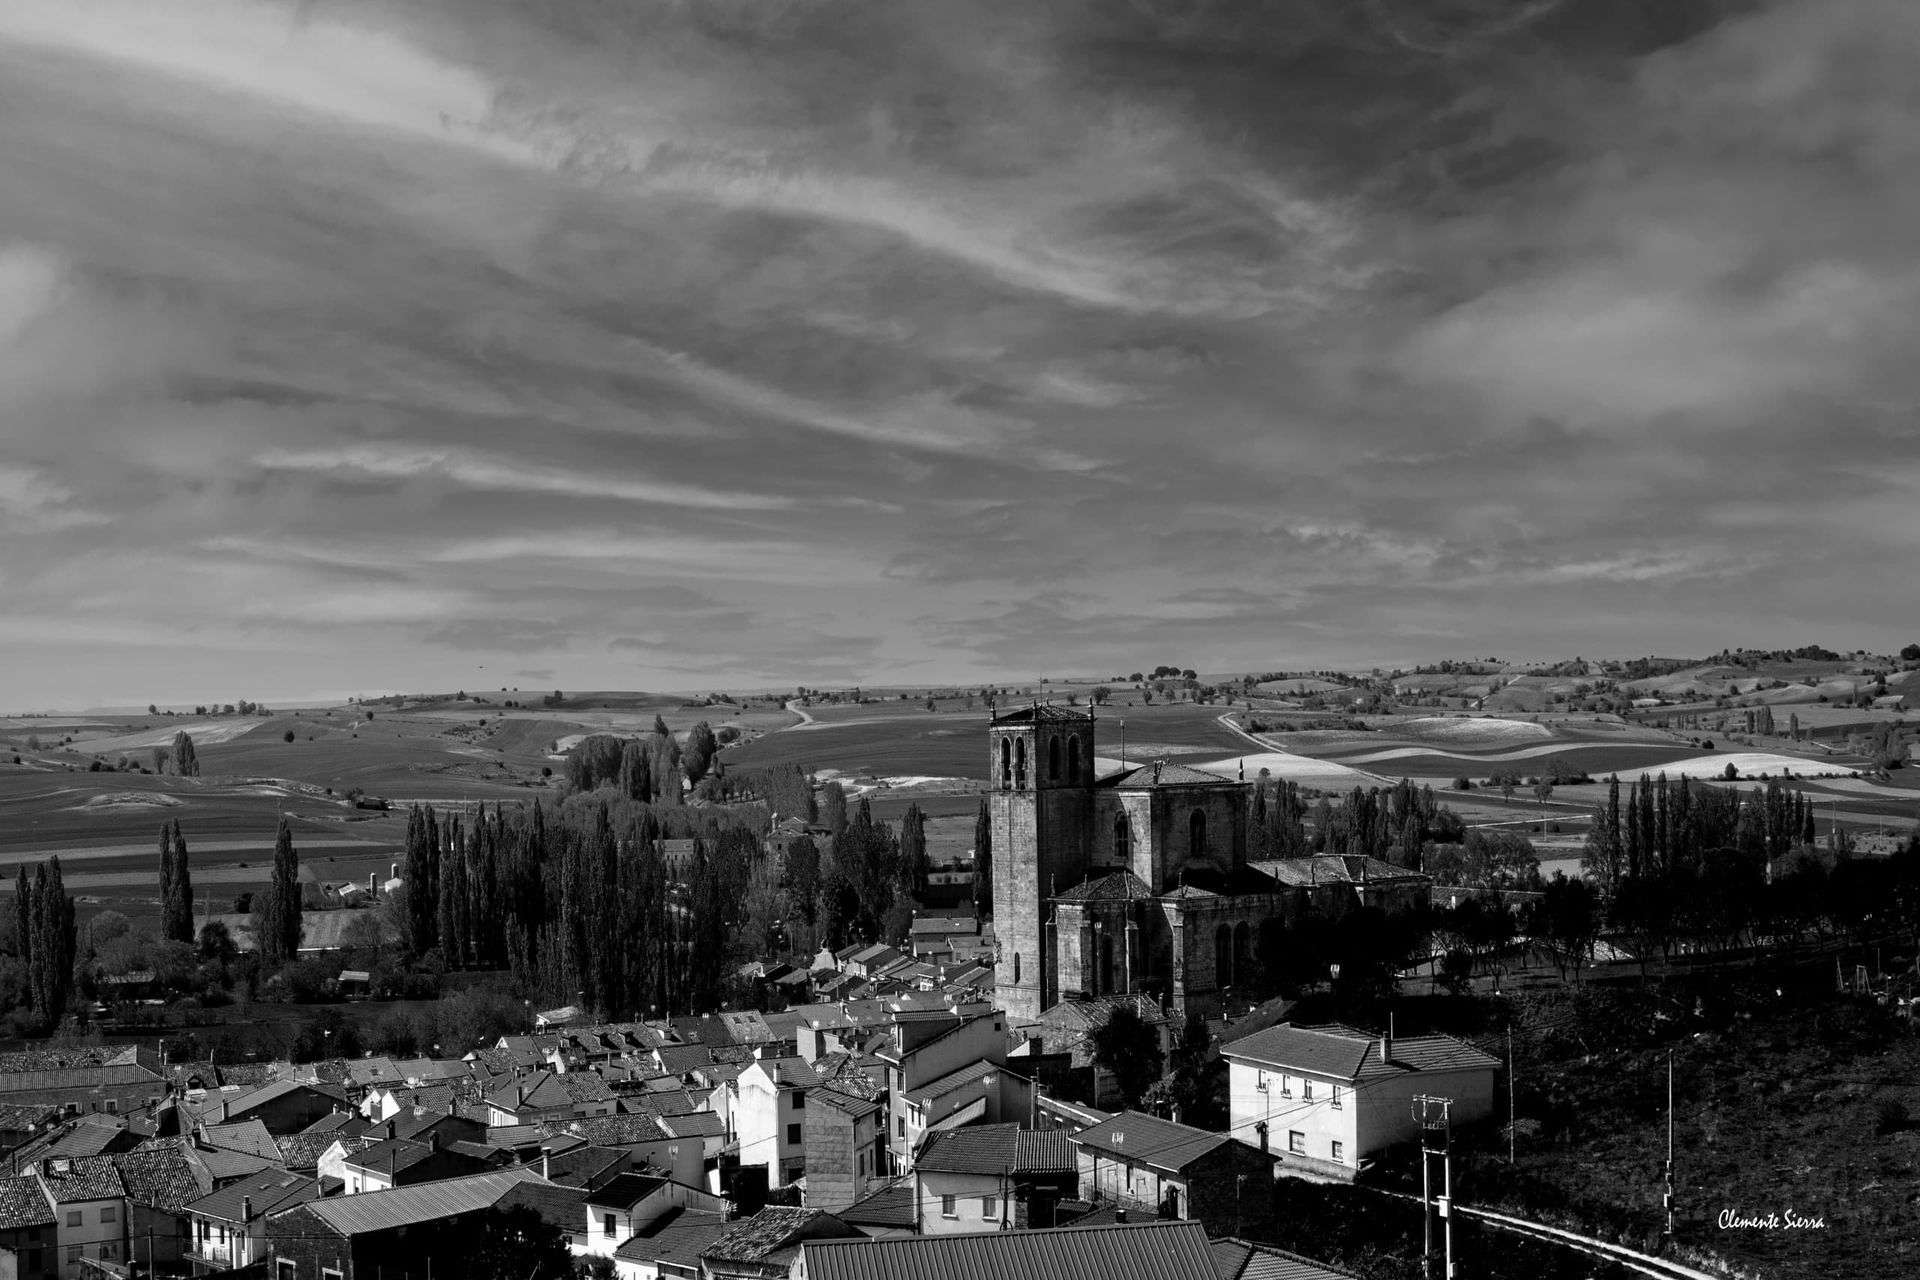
[[1669, 1170], [1435, 1118]]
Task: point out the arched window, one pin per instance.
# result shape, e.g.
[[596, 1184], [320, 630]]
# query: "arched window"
[[1073, 759], [1019, 764], [1105, 977], [1016, 968], [1006, 764], [1222, 956], [1197, 834], [1122, 839], [1053, 758], [1242, 949]]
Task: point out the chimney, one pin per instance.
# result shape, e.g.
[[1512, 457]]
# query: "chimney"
[[373, 884], [433, 1141], [393, 871], [1119, 1215], [1386, 1042], [389, 1128], [546, 1164], [246, 1209]]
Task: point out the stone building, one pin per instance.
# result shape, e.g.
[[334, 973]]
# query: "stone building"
[[1138, 882]]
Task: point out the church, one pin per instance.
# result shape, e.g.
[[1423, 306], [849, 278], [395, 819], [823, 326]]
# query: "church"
[[1138, 882]]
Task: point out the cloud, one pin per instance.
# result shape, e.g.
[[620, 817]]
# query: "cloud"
[[479, 471]]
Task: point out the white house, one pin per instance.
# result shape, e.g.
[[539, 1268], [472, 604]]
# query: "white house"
[[768, 1106], [1325, 1099], [634, 1201]]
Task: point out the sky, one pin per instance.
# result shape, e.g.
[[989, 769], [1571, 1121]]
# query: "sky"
[[354, 346]]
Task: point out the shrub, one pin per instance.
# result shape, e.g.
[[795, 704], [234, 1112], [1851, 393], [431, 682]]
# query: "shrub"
[[1463, 783], [287, 736], [1890, 1116]]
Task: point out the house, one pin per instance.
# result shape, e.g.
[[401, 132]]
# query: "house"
[[227, 1229], [936, 937], [648, 1141], [1326, 1099], [669, 1247], [1068, 1028], [991, 1177], [634, 1200], [845, 1139], [768, 1243], [285, 1106], [552, 1096], [871, 961], [28, 1229], [89, 1204], [384, 1233], [885, 1212], [979, 1091], [1141, 1162], [94, 1083], [768, 1101], [928, 1048], [1133, 1251], [405, 1162], [161, 1182]]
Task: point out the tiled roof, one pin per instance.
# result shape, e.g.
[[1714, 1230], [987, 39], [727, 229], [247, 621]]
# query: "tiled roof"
[[18, 1117], [1149, 1140], [766, 1232], [249, 1136], [845, 1103], [793, 1071], [559, 1206], [93, 1178], [1343, 1053], [890, 1206], [618, 1131], [628, 1190], [406, 1206], [1044, 713], [1134, 1251], [678, 1236], [303, 1150], [996, 1149], [270, 1191], [1118, 883], [1238, 1259], [693, 1124], [162, 1177], [1162, 773], [1331, 869], [23, 1204], [392, 1155], [952, 1080]]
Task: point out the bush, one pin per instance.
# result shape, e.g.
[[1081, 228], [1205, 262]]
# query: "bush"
[[1890, 1116], [287, 736], [1463, 783]]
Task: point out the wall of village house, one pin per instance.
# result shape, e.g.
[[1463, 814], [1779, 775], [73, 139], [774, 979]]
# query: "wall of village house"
[[844, 1155], [1386, 1114], [983, 1039], [298, 1235], [1286, 1109], [968, 1191]]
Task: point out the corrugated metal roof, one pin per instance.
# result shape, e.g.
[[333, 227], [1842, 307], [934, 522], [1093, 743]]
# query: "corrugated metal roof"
[[1346, 1054], [1135, 1251], [265, 1192], [404, 1206], [1149, 1140], [952, 1080]]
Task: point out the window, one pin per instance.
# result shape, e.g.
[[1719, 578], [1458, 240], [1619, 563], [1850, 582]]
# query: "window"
[[1019, 764], [1197, 835], [1073, 759], [863, 1164], [73, 1217], [947, 1209], [1006, 765], [1286, 1086], [989, 1207], [111, 1213], [73, 1253], [799, 1099], [1296, 1142], [331, 1273], [606, 1223], [1053, 759], [900, 1127], [1306, 1089], [1336, 1097], [793, 1135], [284, 1269], [1122, 839], [113, 1106], [1339, 1150]]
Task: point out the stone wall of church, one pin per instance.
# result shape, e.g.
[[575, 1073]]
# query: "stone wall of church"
[[1039, 845]]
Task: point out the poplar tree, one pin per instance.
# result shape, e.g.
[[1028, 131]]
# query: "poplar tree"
[[983, 861], [176, 885], [913, 851], [185, 762], [277, 922], [48, 940]]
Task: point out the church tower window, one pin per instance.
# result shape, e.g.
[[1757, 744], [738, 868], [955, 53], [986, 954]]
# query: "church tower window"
[[1053, 758], [1016, 968], [1073, 758], [1122, 839], [1006, 764], [1019, 764], [1197, 834]]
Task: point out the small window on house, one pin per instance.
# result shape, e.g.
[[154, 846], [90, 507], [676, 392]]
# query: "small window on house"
[[331, 1273], [74, 1217], [1286, 1086], [1336, 1097], [799, 1099], [989, 1207], [113, 1105], [1339, 1150], [110, 1213], [900, 1127], [1306, 1089], [73, 1253], [1296, 1142], [947, 1207], [606, 1221], [1016, 967], [793, 1135], [284, 1269], [863, 1164]]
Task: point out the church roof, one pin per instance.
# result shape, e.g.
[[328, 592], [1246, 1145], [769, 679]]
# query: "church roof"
[[1334, 869], [1044, 713], [1116, 882], [1162, 773]]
